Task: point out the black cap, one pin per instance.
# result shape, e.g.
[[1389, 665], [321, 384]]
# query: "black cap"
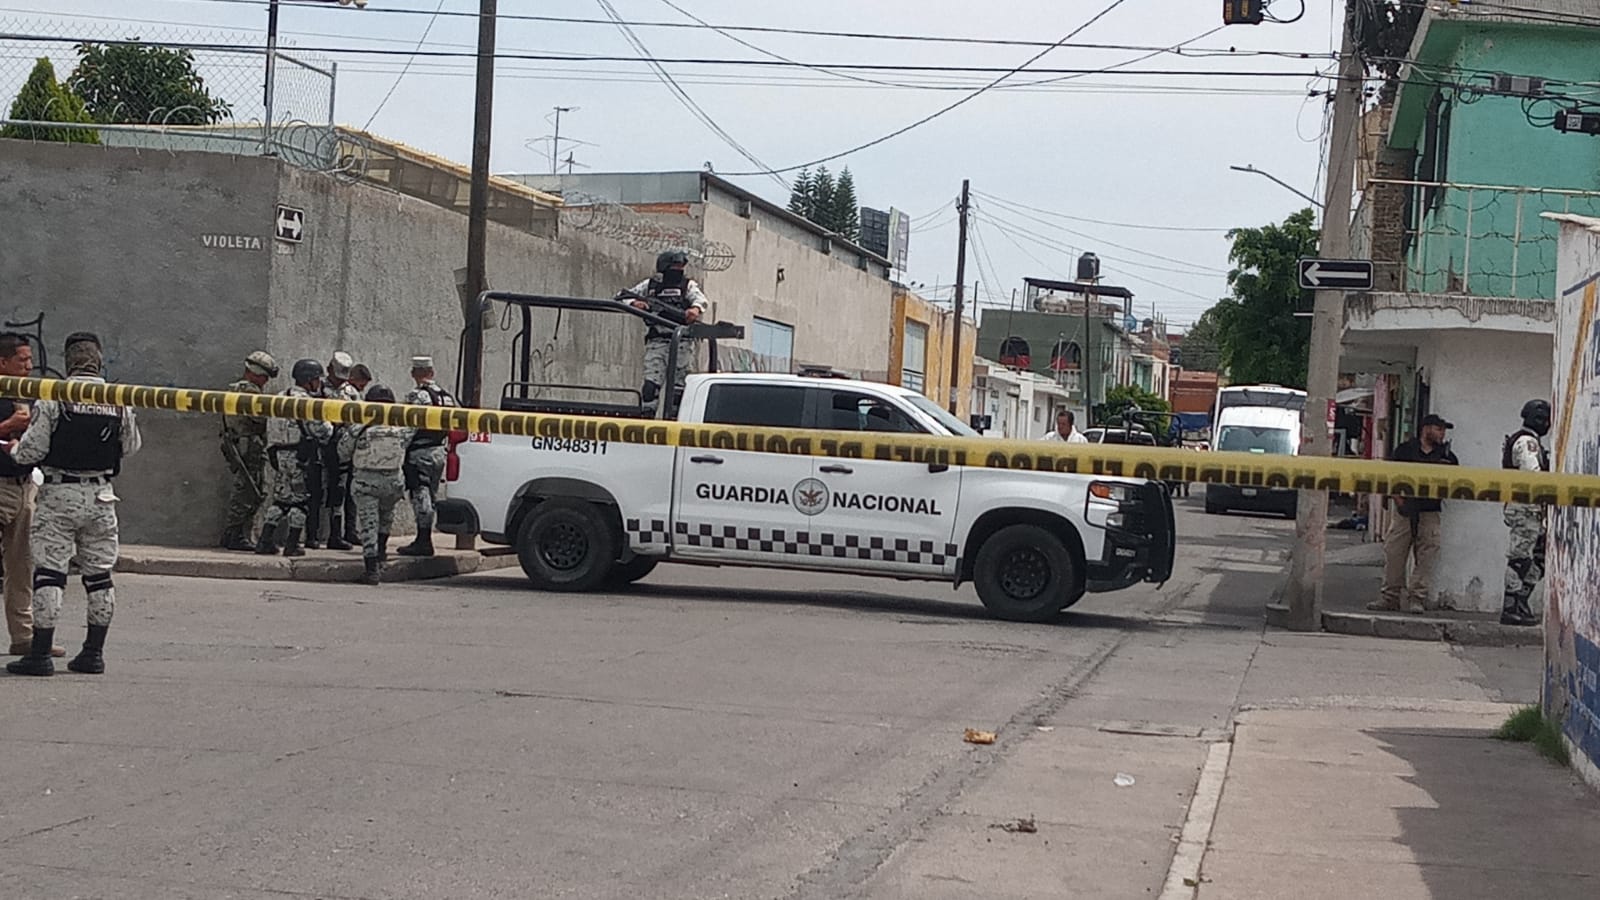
[[1435, 419]]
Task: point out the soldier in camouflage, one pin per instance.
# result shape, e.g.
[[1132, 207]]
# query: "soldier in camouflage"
[[331, 487], [425, 458], [79, 447], [1526, 549], [376, 454], [244, 449], [672, 288], [292, 446]]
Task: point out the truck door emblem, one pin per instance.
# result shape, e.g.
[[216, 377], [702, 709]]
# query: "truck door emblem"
[[811, 497]]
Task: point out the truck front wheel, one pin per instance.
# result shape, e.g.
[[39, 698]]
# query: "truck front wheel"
[[1024, 573], [566, 545]]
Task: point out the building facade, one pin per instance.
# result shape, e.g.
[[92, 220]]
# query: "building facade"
[[921, 343]]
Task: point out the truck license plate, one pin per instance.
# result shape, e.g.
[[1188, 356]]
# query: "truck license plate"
[[1248, 492]]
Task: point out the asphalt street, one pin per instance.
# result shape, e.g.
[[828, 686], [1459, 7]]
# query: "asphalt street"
[[709, 733]]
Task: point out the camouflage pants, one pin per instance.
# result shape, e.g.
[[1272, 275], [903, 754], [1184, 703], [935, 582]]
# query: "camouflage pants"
[[655, 363], [74, 520], [1524, 552], [424, 468], [290, 494], [376, 493], [244, 496]]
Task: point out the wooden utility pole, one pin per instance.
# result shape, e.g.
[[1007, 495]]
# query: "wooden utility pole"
[[961, 277], [478, 209], [1302, 607]]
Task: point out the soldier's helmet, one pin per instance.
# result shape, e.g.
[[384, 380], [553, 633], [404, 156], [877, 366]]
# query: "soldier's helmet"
[[339, 366], [1536, 409], [379, 393], [262, 363], [666, 259], [306, 371]]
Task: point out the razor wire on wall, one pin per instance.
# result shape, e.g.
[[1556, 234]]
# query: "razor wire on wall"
[[598, 215]]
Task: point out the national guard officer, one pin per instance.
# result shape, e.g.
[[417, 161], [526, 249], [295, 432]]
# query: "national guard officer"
[[674, 289], [244, 448], [376, 453], [330, 487], [426, 457], [79, 447], [292, 445], [1525, 552]]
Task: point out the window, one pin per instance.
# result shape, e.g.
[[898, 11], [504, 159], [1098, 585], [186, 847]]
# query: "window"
[[774, 342], [849, 411], [770, 405], [1065, 355], [914, 357], [1252, 439]]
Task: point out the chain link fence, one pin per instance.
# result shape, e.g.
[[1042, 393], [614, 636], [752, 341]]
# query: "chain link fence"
[[230, 67]]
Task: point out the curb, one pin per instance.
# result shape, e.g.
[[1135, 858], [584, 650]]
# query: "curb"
[[315, 566], [1183, 876], [1422, 628]]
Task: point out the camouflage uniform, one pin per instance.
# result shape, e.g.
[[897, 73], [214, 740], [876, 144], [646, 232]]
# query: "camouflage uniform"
[[76, 517], [1526, 548], [425, 460], [658, 342], [333, 493], [244, 440], [376, 454], [290, 493]]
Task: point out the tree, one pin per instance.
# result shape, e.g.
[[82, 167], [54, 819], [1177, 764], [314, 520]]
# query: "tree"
[[844, 212], [1261, 337], [43, 99], [1131, 396], [144, 83], [800, 202], [1201, 350]]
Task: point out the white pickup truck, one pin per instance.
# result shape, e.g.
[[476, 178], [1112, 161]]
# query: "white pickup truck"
[[591, 513]]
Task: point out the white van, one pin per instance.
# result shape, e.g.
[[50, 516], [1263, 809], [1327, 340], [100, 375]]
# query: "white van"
[[1255, 429]]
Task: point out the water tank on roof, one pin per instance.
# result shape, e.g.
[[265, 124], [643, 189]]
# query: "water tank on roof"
[[1088, 267]]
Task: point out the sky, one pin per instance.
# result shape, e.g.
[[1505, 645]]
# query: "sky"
[[1130, 165]]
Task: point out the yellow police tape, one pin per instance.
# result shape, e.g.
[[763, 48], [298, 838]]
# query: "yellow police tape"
[[1161, 464]]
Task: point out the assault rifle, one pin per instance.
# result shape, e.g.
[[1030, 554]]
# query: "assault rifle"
[[659, 307]]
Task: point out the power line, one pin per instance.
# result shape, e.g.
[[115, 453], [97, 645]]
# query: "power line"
[[1073, 251], [1203, 269], [398, 78], [805, 32], [1060, 215]]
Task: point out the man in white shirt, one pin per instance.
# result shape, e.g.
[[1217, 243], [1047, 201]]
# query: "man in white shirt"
[[1064, 430]]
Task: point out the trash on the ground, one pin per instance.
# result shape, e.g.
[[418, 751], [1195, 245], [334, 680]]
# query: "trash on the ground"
[[1047, 728], [1020, 826], [1191, 882], [1123, 779], [974, 736]]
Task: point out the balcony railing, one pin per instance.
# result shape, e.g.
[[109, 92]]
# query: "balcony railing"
[[1484, 240]]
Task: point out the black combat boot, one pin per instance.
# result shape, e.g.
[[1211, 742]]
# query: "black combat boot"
[[89, 660], [1516, 612], [422, 546], [291, 547], [37, 662], [383, 547], [234, 539], [336, 539], [267, 545], [370, 576], [314, 532]]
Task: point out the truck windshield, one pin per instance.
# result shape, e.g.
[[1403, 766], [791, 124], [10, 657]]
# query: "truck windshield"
[[1255, 439], [941, 415]]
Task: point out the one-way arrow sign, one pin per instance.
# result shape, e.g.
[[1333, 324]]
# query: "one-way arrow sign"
[[1336, 274], [290, 224]]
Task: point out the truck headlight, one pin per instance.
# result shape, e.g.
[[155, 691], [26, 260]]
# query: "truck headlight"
[[1110, 491]]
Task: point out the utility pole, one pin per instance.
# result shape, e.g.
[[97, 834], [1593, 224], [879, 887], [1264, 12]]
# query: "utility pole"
[[1302, 608], [555, 143], [478, 209], [272, 78], [961, 277]]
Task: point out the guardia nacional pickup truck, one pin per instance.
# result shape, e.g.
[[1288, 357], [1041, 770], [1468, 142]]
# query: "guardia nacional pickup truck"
[[592, 512]]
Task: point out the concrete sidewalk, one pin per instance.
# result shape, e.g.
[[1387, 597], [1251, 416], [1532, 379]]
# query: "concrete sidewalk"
[[316, 565], [1366, 768]]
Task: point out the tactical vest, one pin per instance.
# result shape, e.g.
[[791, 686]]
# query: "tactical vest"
[[379, 448], [292, 434], [1507, 460], [87, 438], [437, 396], [675, 297]]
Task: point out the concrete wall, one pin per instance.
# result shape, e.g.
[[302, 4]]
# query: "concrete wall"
[[115, 240], [840, 312], [1479, 381]]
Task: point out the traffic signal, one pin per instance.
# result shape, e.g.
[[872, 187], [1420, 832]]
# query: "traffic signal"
[[1243, 12]]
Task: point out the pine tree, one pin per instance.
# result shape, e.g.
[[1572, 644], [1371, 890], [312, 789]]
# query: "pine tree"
[[822, 189], [800, 200], [43, 99], [845, 218]]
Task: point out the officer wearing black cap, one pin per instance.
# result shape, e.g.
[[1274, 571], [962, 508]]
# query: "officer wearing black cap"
[[1413, 530], [79, 448]]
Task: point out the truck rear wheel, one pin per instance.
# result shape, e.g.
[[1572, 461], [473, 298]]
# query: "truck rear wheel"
[[566, 545], [1024, 573]]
